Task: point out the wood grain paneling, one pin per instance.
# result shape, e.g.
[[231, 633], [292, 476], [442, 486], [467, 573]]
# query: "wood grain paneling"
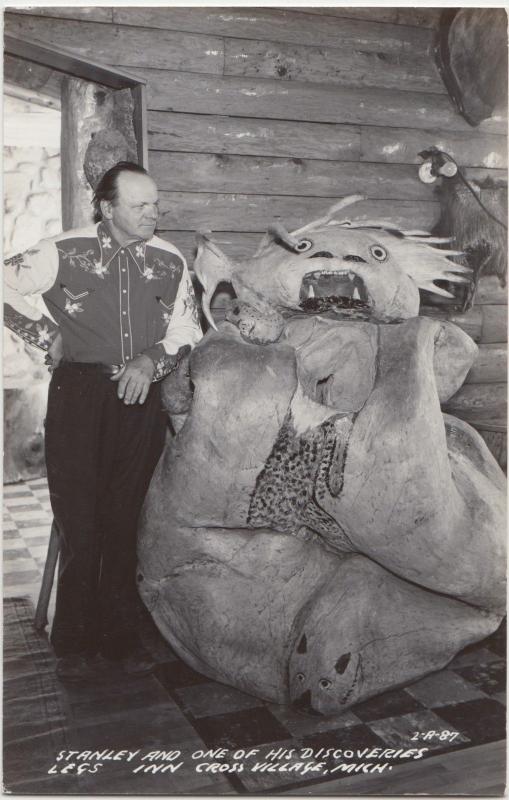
[[282, 26], [402, 146], [251, 213], [195, 133], [490, 291], [480, 404], [494, 324], [201, 94], [32, 77], [490, 365], [235, 245], [469, 321], [125, 46], [420, 17], [352, 66], [196, 172], [95, 13]]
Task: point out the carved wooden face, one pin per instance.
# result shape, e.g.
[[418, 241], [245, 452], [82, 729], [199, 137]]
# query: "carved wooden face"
[[351, 270]]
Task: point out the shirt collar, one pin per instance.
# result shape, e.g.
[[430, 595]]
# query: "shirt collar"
[[110, 247]]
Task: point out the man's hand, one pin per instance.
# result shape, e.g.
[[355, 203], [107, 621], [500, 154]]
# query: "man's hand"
[[55, 353], [134, 380]]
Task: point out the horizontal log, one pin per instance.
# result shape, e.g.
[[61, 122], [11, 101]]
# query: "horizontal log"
[[124, 46], [469, 321], [490, 291], [402, 146], [95, 13], [264, 98], [251, 213], [236, 246], [420, 17], [490, 365], [196, 172], [480, 404], [281, 26], [352, 66], [195, 133], [494, 324], [497, 443]]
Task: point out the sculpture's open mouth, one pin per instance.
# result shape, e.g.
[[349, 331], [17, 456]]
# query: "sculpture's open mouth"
[[326, 290]]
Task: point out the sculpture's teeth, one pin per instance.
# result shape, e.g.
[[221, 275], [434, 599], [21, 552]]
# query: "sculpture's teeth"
[[311, 292]]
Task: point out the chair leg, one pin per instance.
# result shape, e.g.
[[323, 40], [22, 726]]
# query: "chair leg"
[[41, 613]]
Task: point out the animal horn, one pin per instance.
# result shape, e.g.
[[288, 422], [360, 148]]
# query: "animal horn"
[[211, 267]]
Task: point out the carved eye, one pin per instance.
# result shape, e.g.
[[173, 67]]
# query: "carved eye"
[[303, 245], [324, 683], [378, 252], [300, 677]]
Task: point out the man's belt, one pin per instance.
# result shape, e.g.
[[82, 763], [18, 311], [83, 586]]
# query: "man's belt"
[[84, 366]]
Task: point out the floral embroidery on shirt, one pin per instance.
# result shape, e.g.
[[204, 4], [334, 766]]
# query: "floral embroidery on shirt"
[[161, 268], [18, 261], [140, 250], [84, 260], [43, 334], [100, 269], [72, 308], [149, 274], [189, 302], [28, 329], [106, 242]]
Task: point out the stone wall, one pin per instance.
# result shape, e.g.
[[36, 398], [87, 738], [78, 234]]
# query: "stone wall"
[[32, 211], [32, 204]]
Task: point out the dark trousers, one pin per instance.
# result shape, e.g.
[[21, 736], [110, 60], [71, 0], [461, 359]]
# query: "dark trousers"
[[100, 456]]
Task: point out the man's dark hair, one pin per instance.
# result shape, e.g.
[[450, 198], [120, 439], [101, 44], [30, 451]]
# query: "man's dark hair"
[[107, 188]]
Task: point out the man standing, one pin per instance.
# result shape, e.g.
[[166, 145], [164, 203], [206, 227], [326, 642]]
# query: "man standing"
[[124, 305]]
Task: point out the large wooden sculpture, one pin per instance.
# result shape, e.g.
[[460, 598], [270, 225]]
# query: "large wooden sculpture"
[[318, 531]]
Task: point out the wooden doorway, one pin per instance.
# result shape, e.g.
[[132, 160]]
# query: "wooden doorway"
[[101, 119]]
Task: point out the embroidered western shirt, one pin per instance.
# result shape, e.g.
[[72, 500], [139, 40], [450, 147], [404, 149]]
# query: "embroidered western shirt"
[[110, 303]]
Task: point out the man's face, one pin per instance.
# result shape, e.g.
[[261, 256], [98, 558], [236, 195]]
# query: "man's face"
[[133, 215]]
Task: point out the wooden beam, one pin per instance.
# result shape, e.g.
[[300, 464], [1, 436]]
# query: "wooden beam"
[[198, 172], [123, 45], [490, 365], [352, 66], [293, 100], [139, 93], [280, 25], [403, 145], [490, 291], [419, 17], [32, 77], [494, 324], [197, 133], [95, 13], [65, 61], [191, 211], [235, 245], [469, 321]]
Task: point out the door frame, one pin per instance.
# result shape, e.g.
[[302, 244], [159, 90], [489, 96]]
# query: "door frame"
[[71, 64]]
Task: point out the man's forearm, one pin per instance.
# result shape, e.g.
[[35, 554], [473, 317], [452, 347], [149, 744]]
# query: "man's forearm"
[[40, 333]]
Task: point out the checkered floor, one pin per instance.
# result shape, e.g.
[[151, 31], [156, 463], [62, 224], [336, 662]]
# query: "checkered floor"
[[467, 697]]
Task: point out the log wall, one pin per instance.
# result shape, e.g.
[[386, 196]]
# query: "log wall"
[[263, 113]]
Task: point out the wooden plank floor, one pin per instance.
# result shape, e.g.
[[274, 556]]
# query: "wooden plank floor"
[[476, 771], [181, 708]]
